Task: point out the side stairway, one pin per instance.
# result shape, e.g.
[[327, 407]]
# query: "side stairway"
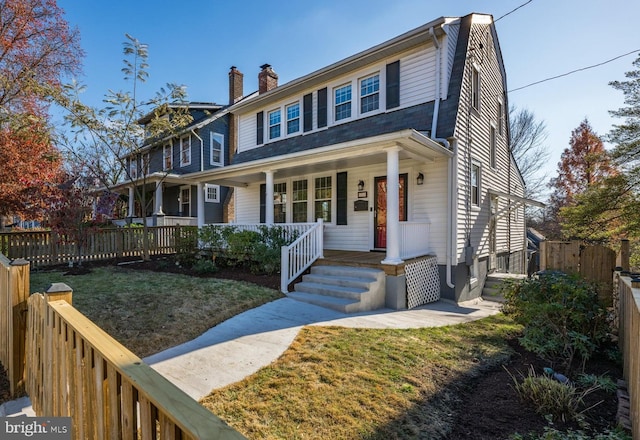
[[342, 288], [493, 283]]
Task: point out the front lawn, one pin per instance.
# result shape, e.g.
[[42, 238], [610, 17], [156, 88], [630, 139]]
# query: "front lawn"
[[151, 311]]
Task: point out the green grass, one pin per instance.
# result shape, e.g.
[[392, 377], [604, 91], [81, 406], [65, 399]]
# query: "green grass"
[[150, 311], [340, 383]]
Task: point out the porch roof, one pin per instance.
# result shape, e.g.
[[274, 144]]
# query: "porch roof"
[[344, 155]]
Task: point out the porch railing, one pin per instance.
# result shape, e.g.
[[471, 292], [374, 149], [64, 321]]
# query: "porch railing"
[[414, 239], [300, 254], [287, 228]]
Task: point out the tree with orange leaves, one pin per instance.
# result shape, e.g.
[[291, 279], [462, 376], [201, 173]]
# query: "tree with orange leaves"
[[37, 50]]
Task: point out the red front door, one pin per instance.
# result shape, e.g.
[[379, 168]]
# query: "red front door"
[[380, 211]]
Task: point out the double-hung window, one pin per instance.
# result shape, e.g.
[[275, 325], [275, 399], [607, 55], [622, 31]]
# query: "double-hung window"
[[342, 102], [167, 155], [293, 118], [145, 162], [322, 203], [475, 184], [133, 168], [274, 124], [370, 93], [299, 201], [280, 202], [185, 151], [217, 147]]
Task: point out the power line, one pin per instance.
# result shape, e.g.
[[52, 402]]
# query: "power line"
[[574, 71], [514, 10]]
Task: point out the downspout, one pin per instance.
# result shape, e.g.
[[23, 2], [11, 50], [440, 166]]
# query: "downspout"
[[452, 168], [201, 150]]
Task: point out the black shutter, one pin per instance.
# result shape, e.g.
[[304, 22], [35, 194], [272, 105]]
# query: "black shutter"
[[259, 128], [263, 198], [393, 85], [322, 107], [307, 112], [341, 198]]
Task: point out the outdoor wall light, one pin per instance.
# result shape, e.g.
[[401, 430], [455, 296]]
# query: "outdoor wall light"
[[420, 179], [361, 185]]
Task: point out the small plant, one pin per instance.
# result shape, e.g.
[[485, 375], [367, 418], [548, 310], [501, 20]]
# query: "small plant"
[[560, 401], [561, 316], [551, 433], [603, 382], [204, 267]]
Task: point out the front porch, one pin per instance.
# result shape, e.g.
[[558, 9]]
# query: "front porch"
[[371, 259]]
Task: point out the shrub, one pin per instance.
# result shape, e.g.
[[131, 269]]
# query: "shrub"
[[204, 266], [561, 316], [186, 245]]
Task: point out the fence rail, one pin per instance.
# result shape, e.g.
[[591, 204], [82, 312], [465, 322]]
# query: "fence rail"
[[42, 248], [628, 331]]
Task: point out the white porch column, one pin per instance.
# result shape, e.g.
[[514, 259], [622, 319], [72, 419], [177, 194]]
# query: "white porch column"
[[200, 204], [159, 194], [393, 207], [268, 200], [132, 202]]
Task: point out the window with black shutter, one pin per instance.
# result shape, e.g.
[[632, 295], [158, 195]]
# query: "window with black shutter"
[[322, 107], [307, 112], [341, 198], [260, 128], [393, 85]]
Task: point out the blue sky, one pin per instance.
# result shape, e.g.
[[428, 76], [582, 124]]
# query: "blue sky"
[[196, 42]]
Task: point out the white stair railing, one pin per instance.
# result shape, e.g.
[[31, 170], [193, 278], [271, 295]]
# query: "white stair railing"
[[301, 254]]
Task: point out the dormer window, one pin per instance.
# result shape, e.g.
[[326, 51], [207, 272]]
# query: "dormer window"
[[342, 102], [370, 93], [274, 124]]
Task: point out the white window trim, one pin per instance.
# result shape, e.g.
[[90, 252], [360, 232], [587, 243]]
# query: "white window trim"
[[476, 69], [286, 117], [212, 135], [166, 147], [493, 146], [187, 187], [379, 92], [207, 198], [479, 165], [268, 134], [184, 163]]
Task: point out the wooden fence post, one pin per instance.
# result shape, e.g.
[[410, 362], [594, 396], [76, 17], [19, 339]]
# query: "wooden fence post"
[[623, 256], [59, 291], [19, 294]]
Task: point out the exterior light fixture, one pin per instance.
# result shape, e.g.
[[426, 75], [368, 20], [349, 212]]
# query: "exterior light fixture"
[[420, 179], [361, 185]]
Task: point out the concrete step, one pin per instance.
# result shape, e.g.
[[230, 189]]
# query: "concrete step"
[[343, 288], [492, 289], [338, 280], [331, 290], [343, 305]]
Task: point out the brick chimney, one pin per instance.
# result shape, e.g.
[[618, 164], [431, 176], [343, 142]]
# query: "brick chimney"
[[267, 79], [236, 79]]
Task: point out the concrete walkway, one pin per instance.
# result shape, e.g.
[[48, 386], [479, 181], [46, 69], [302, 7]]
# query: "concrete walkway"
[[240, 346]]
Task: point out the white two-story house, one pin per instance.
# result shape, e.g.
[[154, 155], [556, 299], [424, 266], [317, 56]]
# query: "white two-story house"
[[402, 150]]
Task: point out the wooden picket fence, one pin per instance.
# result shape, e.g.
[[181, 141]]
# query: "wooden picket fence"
[[42, 248], [629, 343], [72, 368], [594, 263]]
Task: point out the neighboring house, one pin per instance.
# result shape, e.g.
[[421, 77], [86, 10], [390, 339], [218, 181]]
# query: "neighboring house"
[[402, 149], [164, 168]]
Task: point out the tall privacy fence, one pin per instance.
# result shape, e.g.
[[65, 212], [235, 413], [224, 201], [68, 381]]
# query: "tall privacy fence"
[[42, 248], [70, 367]]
